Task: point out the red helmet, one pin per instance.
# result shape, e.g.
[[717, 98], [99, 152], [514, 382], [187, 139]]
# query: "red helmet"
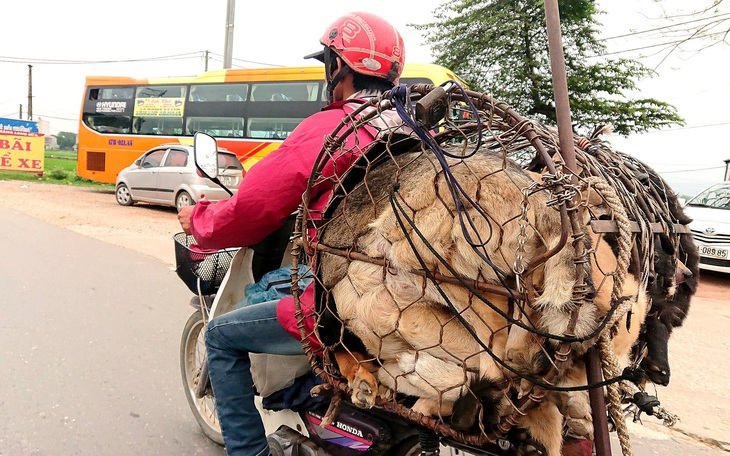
[[367, 43]]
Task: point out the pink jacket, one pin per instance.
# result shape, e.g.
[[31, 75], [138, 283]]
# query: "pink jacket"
[[272, 190]]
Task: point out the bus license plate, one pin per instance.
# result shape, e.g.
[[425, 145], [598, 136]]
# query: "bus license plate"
[[712, 252]]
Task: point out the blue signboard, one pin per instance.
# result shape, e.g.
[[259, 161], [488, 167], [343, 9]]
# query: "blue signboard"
[[14, 125]]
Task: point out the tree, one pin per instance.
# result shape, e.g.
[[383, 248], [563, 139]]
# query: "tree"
[[66, 140], [694, 28], [500, 47]]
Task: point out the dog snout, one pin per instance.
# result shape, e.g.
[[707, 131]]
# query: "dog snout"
[[683, 273]]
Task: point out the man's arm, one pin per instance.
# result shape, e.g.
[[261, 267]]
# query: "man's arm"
[[271, 190]]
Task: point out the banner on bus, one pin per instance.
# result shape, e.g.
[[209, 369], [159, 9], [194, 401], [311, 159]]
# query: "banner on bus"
[[22, 151], [159, 107]]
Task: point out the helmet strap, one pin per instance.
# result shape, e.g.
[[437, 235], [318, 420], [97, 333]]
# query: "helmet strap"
[[332, 81], [393, 73]]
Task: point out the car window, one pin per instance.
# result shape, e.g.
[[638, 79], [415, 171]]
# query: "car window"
[[717, 196], [228, 161], [176, 158], [152, 159]]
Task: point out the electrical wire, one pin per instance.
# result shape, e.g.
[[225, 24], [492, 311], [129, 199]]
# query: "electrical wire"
[[641, 32], [9, 59]]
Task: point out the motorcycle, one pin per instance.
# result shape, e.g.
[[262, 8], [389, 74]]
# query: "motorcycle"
[[222, 279], [219, 280]]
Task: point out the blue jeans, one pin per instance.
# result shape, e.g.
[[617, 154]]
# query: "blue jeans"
[[229, 339]]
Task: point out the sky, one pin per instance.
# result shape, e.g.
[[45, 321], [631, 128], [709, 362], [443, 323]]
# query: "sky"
[[66, 41]]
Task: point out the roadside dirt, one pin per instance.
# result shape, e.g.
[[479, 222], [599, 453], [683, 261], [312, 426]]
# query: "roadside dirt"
[[698, 392], [147, 229]]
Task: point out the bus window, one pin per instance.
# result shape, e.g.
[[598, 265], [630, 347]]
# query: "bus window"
[[411, 81], [161, 92], [215, 126], [158, 110], [108, 124], [285, 91], [271, 128], [115, 93], [158, 126], [218, 92]]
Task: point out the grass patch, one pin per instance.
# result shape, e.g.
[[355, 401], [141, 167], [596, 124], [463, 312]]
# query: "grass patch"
[[59, 168], [62, 155]]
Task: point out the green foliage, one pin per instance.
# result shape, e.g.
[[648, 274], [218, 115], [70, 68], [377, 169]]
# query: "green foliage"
[[500, 47], [66, 139], [57, 173]]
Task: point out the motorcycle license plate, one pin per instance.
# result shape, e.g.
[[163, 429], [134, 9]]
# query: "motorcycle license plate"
[[226, 180], [712, 252]]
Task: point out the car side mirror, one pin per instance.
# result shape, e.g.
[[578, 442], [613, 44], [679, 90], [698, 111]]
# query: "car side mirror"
[[205, 149], [137, 161]]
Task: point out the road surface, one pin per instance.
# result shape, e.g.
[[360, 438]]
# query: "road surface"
[[91, 314]]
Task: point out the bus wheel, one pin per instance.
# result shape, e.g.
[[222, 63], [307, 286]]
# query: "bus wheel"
[[192, 360], [123, 196], [183, 199]]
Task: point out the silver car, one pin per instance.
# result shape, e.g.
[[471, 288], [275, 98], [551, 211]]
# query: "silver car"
[[710, 213], [167, 175]]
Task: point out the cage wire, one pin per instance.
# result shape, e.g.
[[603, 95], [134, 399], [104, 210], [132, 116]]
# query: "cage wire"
[[461, 272]]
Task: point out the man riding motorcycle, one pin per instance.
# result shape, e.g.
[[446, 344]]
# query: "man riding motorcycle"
[[363, 56]]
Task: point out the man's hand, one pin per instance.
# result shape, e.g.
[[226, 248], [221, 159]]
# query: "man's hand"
[[184, 218]]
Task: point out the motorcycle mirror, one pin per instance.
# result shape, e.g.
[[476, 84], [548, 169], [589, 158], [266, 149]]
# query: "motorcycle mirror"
[[205, 149]]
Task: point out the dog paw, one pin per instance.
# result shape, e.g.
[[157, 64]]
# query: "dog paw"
[[524, 444], [385, 393], [323, 389], [364, 389], [578, 415]]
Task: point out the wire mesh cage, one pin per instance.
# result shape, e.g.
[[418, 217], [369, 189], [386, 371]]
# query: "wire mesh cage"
[[201, 271], [461, 271]]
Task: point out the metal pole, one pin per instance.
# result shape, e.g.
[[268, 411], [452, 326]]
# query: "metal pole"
[[30, 92], [565, 138], [560, 85], [228, 48], [598, 404]]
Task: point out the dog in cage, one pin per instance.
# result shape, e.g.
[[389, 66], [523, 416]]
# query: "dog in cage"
[[674, 271], [444, 342]]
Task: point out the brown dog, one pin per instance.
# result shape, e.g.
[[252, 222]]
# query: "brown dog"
[[408, 324]]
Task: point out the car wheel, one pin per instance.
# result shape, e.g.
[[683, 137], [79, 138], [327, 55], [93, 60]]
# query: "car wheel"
[[123, 196], [183, 199]]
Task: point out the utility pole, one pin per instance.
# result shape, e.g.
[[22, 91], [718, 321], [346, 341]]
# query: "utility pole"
[[206, 60], [228, 51], [20, 111], [30, 92]]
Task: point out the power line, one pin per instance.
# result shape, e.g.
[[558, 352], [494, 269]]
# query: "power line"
[[640, 32], [690, 170], [218, 57], [54, 117], [691, 127], [8, 59], [668, 43]]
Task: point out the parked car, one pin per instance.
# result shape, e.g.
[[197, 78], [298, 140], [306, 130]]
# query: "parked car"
[[710, 212], [167, 175]]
